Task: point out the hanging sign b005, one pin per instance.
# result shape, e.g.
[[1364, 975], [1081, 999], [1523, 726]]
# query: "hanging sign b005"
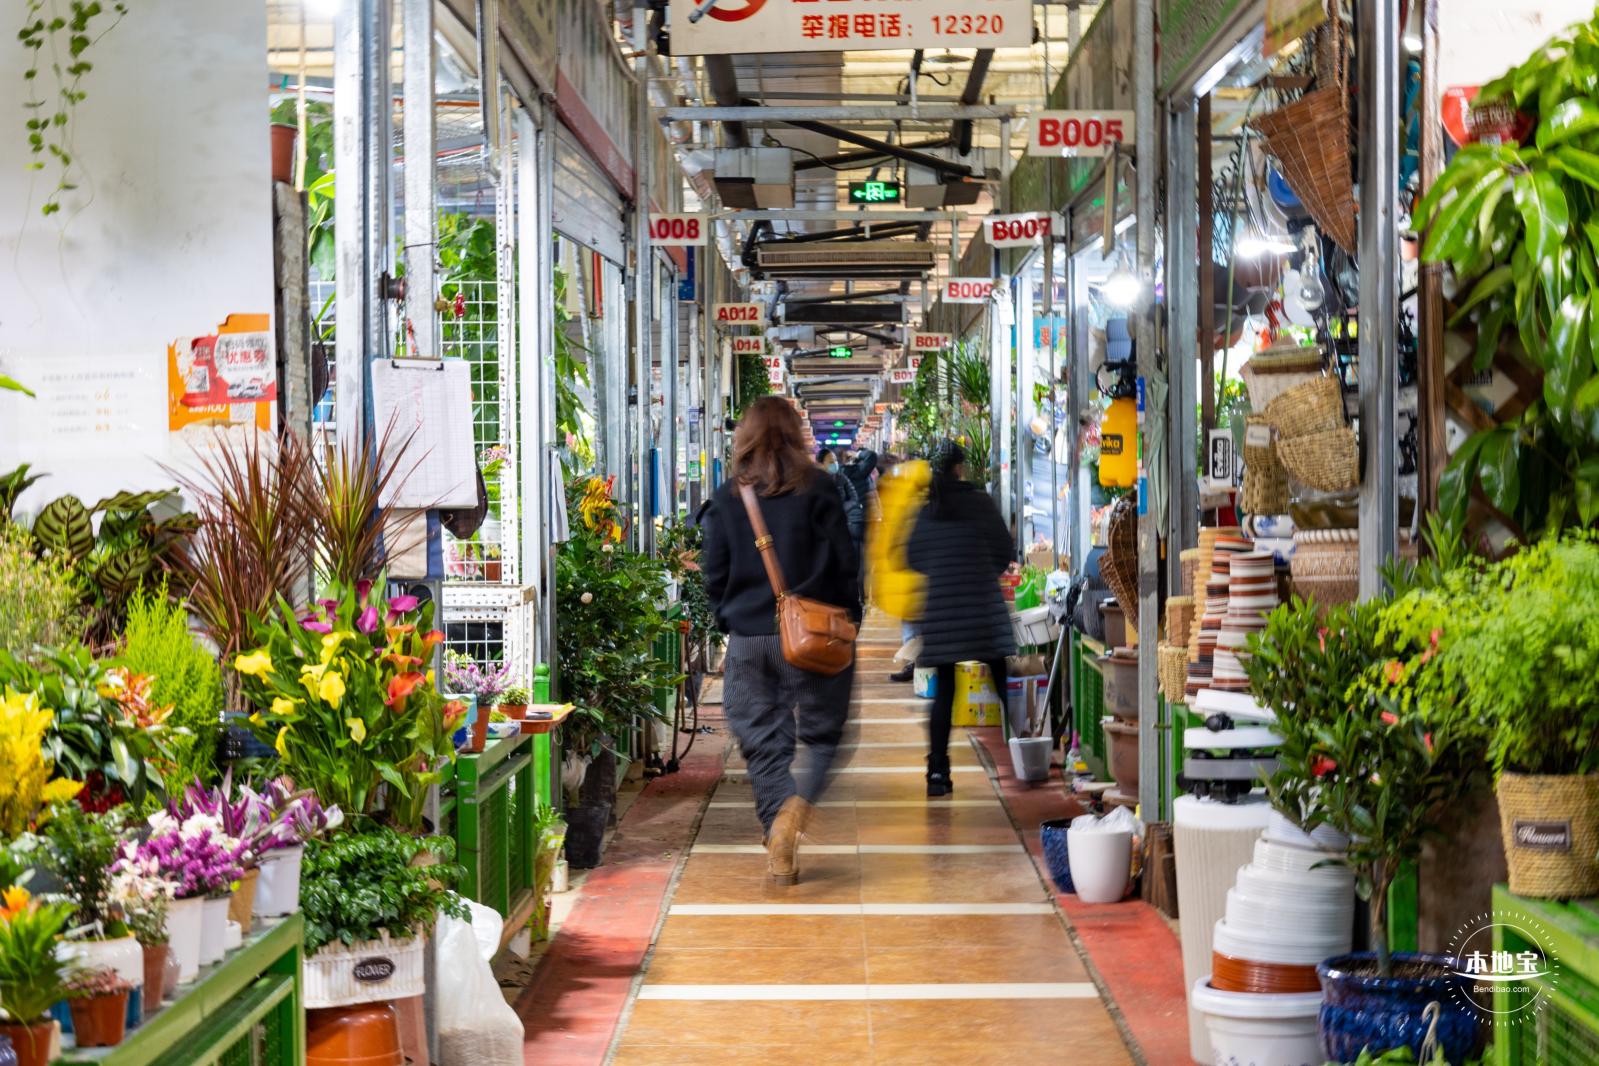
[[1017, 231], [968, 290], [1078, 133], [738, 314], [677, 230]]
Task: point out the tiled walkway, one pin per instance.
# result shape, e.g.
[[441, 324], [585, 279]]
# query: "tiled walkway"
[[920, 931]]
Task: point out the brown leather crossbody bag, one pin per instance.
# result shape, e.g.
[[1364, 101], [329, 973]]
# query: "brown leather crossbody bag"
[[816, 636]]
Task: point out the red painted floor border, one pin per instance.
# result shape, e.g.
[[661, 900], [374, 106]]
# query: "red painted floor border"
[[577, 997], [1136, 953]]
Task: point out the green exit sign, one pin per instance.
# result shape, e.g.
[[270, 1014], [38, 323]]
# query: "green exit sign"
[[874, 192], [841, 352]]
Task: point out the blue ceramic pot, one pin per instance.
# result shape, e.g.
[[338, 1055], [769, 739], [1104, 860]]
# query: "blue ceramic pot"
[[1360, 1009], [1053, 833], [8, 1054]]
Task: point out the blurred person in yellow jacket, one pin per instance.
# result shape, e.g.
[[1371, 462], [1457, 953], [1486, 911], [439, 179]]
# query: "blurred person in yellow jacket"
[[893, 586]]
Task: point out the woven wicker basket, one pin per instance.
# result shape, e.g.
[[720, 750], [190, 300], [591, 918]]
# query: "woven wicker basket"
[[1190, 559], [1310, 138], [1271, 373], [1120, 564], [1173, 671], [1315, 406], [1179, 620], [1550, 826], [1326, 566], [1265, 480], [1327, 461]]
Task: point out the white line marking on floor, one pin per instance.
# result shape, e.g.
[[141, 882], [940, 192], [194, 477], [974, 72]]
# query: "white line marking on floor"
[[920, 701], [994, 802], [875, 910], [740, 771], [905, 744], [962, 991], [886, 721], [868, 849]]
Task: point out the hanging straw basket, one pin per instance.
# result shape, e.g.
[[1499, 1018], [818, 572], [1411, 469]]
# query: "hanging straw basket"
[[1265, 480], [1120, 564], [1173, 671], [1179, 620], [1190, 560], [1327, 461], [1272, 372], [1315, 406]]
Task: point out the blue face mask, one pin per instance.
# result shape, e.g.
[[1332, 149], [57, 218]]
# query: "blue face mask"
[[832, 468]]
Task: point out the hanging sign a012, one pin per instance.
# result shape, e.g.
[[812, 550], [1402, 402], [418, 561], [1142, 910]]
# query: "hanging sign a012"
[[745, 314]]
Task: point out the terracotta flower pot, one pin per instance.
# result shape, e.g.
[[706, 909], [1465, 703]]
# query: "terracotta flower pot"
[[99, 1021], [283, 137], [242, 903], [516, 711], [363, 1035], [480, 729], [155, 977], [30, 1042]]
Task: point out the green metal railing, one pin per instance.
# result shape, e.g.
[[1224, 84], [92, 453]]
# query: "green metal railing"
[[490, 812], [245, 1010], [1088, 702], [1562, 1029]]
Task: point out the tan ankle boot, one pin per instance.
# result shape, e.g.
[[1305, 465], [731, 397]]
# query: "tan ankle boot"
[[782, 844]]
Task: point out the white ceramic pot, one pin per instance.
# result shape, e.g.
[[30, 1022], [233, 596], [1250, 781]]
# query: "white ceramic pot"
[[184, 920], [1280, 830], [1101, 864], [213, 930], [1291, 860], [370, 971], [277, 890], [122, 954], [1266, 1029], [1255, 945]]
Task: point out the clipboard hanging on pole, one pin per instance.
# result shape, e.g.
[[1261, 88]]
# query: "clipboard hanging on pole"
[[429, 401]]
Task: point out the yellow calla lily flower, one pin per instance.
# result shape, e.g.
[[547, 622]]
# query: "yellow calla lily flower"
[[357, 729], [255, 718], [332, 689], [281, 744], [256, 664], [331, 642]]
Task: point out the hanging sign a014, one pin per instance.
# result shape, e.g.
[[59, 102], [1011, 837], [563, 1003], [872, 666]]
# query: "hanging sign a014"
[[677, 230], [733, 26], [749, 345], [968, 290], [1078, 134]]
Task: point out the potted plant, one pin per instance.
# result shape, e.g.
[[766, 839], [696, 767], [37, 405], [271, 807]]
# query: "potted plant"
[[202, 863], [1370, 750], [514, 701], [144, 899], [33, 975], [610, 602], [369, 899], [343, 693], [484, 682], [98, 999], [295, 817], [1520, 641]]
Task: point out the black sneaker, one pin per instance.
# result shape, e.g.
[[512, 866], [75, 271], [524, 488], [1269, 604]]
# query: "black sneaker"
[[904, 674], [939, 785]]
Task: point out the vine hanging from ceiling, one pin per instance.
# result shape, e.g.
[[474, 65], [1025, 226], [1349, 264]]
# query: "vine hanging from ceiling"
[[59, 37]]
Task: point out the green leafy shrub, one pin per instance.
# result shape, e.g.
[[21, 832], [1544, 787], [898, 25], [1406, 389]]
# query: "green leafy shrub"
[[39, 601], [356, 886], [160, 643]]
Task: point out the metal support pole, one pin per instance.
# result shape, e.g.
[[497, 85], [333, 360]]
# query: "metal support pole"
[[1183, 264], [644, 288], [543, 446], [667, 290], [508, 310], [1430, 380], [1022, 455], [1150, 734], [537, 378], [999, 390], [421, 286], [361, 139], [1378, 26], [1077, 387]]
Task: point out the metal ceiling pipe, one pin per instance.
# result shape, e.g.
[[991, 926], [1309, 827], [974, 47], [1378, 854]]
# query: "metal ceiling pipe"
[[962, 130], [724, 90], [881, 229], [909, 155]]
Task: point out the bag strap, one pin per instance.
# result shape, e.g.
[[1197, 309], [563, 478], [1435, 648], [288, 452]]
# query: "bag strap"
[[763, 540]]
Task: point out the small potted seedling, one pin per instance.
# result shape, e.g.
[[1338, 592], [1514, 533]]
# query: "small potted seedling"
[[98, 999]]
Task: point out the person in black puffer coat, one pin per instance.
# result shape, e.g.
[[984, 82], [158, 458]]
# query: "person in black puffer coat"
[[961, 545]]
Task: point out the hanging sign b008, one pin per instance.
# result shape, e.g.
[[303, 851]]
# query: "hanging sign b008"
[[1078, 133], [739, 314], [677, 230], [1017, 231], [968, 290]]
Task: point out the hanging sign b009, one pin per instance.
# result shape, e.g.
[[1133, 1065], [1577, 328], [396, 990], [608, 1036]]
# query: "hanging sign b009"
[[968, 290], [1078, 133], [677, 230], [1017, 231]]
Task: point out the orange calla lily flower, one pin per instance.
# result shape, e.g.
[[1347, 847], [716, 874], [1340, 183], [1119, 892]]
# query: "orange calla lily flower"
[[402, 686]]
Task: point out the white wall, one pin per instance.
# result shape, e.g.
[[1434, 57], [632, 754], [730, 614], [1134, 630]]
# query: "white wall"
[[170, 232], [1481, 39]]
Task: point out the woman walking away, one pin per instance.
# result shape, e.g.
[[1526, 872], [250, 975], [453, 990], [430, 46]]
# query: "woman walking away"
[[854, 506], [768, 702], [962, 547]]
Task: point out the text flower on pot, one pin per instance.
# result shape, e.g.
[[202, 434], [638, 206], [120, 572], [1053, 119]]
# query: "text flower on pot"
[[344, 694]]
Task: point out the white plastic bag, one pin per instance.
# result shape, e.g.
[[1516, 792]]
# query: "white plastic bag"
[[476, 1027], [1120, 820]]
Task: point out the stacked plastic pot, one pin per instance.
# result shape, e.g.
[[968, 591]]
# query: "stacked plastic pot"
[[1290, 908]]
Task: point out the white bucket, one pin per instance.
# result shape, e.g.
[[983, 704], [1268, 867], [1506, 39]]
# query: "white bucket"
[[1101, 863], [184, 919], [1029, 757], [370, 971], [277, 890], [213, 930], [122, 954], [1265, 1029]]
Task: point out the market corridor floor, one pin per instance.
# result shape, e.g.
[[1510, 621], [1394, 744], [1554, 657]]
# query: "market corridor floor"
[[920, 931]]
